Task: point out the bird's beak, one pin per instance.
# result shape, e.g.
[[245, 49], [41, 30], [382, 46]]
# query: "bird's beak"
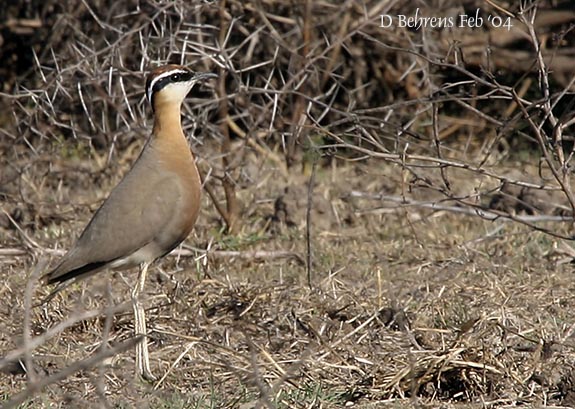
[[202, 76]]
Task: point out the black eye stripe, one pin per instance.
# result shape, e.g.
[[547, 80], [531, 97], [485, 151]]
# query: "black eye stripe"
[[158, 84]]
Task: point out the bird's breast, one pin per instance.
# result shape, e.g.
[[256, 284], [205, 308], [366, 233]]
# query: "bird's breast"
[[179, 166]]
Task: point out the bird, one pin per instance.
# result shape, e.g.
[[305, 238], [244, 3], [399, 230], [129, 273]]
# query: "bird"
[[153, 208]]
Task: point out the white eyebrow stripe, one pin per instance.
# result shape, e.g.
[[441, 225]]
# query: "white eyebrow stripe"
[[160, 77]]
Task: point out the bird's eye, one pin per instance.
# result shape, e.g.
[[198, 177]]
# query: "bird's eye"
[[175, 77]]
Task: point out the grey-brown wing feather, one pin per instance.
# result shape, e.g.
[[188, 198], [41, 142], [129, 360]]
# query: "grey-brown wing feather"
[[134, 215]]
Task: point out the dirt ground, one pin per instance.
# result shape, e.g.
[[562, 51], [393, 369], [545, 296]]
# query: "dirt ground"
[[408, 306]]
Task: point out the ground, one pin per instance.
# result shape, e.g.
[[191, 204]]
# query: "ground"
[[404, 306]]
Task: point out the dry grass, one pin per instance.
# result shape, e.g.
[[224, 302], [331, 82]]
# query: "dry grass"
[[435, 233], [427, 307]]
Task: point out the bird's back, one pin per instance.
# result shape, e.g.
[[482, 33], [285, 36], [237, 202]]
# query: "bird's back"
[[145, 216]]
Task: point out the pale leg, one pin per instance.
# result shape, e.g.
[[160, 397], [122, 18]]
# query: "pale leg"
[[142, 357]]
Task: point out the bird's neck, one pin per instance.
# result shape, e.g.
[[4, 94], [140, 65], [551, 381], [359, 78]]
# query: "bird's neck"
[[168, 138], [167, 122]]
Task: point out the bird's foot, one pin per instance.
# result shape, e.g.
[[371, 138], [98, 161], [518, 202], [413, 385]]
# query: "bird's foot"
[[147, 375], [143, 361]]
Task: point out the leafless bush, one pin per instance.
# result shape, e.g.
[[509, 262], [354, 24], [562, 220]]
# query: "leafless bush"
[[305, 83], [311, 79], [463, 118]]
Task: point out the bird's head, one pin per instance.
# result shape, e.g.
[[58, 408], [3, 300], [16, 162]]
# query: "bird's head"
[[171, 83]]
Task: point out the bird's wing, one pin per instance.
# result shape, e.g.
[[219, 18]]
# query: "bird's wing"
[[128, 220]]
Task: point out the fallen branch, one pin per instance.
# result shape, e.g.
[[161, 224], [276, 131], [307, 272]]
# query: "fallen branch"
[[462, 207], [87, 363], [186, 252]]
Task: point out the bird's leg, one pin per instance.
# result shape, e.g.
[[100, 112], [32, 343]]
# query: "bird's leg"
[[142, 357]]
